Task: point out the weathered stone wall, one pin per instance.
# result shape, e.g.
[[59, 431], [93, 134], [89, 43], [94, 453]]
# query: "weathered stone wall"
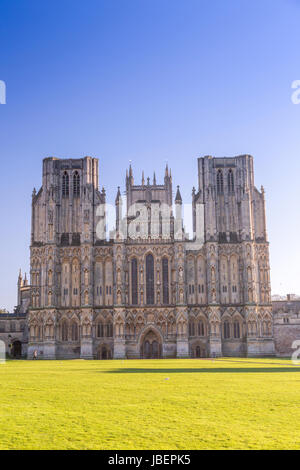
[[284, 336], [13, 329], [207, 298], [286, 314]]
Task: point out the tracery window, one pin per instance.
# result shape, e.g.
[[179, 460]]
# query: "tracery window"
[[76, 184], [220, 183], [230, 181], [64, 331], [226, 329], [236, 329], [191, 328], [65, 184], [100, 330], [74, 331], [201, 328]]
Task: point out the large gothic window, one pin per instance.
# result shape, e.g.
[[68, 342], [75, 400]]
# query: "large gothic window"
[[226, 327], [64, 331], [165, 280], [76, 184], [74, 331], [201, 328], [220, 184], [134, 282], [236, 329], [100, 330], [149, 280], [110, 330], [65, 184], [230, 181]]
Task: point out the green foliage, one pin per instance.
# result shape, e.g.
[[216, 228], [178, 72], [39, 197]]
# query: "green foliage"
[[163, 404]]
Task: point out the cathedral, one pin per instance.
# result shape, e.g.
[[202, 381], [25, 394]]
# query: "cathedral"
[[147, 289]]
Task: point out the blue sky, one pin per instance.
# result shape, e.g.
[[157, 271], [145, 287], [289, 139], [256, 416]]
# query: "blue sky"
[[150, 81]]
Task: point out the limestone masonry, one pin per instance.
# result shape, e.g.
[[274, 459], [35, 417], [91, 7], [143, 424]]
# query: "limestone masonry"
[[146, 290]]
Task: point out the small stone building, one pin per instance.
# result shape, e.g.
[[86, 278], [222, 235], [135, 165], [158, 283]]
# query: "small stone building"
[[13, 326], [13, 331]]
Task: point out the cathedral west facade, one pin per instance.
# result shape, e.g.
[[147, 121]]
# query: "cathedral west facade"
[[146, 290]]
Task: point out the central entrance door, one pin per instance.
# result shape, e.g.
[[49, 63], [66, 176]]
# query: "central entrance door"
[[151, 346], [17, 349]]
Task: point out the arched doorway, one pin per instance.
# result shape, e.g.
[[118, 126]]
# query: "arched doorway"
[[16, 350], [199, 351], [151, 346], [104, 352]]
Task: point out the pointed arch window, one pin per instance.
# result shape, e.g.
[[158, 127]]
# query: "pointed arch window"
[[149, 279], [236, 329], [134, 282], [64, 331], [201, 328], [230, 180], [100, 330], [220, 182], [65, 184], [110, 330], [192, 328], [76, 184], [165, 280], [226, 328], [74, 331]]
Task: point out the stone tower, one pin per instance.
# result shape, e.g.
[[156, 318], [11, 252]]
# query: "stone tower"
[[62, 241], [232, 213]]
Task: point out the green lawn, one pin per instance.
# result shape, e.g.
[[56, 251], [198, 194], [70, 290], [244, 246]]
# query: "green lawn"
[[160, 404]]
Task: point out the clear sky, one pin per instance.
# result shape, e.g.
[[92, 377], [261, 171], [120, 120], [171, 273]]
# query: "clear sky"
[[150, 81]]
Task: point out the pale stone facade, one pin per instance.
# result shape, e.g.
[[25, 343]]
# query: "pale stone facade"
[[13, 326], [151, 292], [286, 325], [13, 331]]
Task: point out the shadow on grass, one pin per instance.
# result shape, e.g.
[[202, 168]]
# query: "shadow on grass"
[[214, 370]]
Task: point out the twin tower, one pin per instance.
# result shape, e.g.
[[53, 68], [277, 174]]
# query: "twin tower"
[[146, 289]]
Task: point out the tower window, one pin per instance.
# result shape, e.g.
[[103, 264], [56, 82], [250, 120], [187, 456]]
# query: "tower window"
[[220, 183], [65, 184], [230, 181], [76, 184]]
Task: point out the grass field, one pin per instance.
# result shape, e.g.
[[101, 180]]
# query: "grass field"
[[159, 404]]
